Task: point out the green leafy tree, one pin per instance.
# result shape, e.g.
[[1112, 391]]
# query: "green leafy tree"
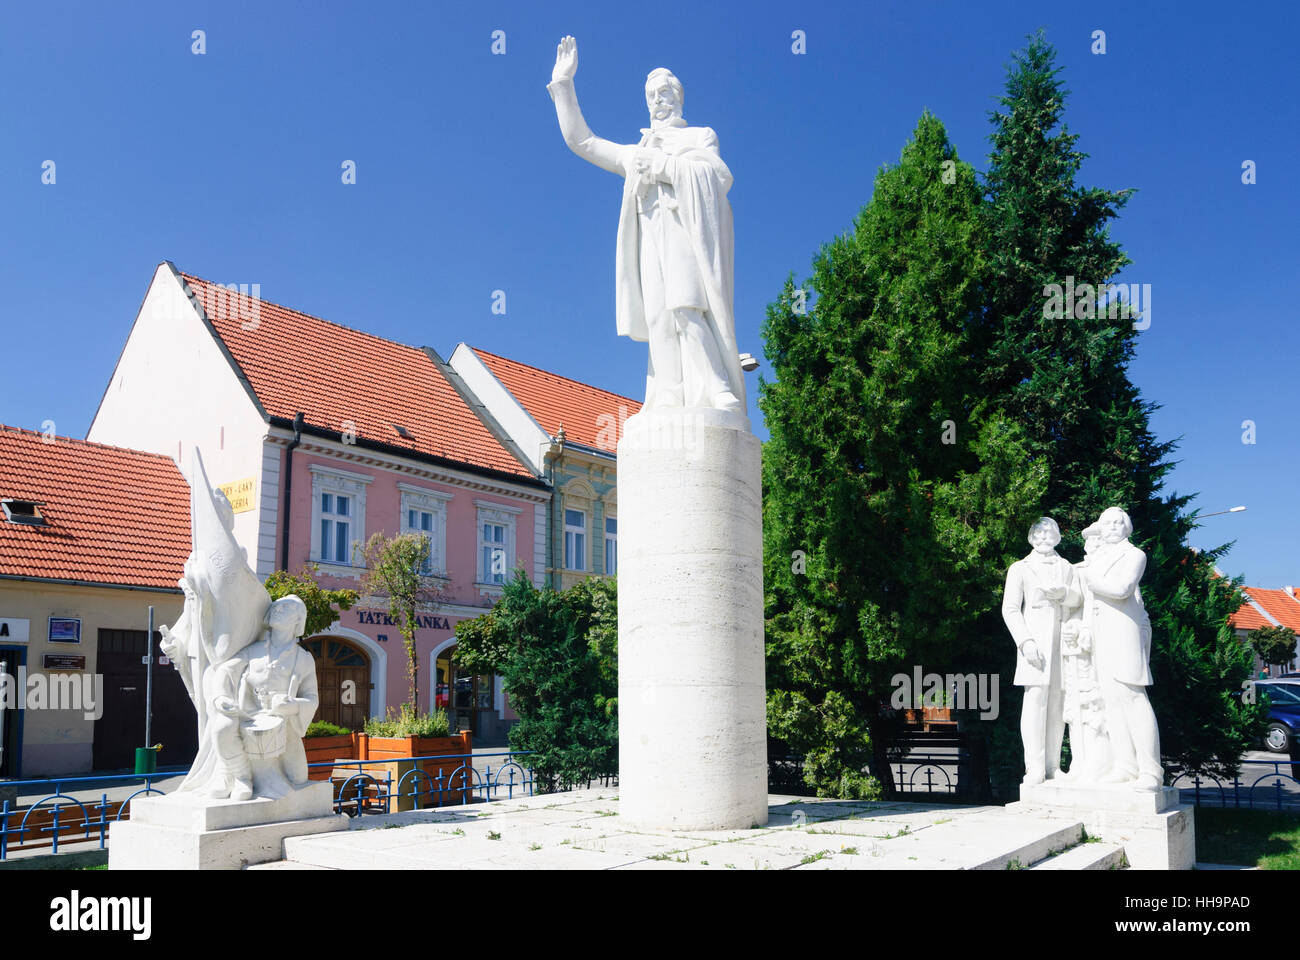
[[1275, 645], [393, 567], [323, 605], [1058, 366], [894, 495], [556, 653]]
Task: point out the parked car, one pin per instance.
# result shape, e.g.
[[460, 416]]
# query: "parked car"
[[1283, 713]]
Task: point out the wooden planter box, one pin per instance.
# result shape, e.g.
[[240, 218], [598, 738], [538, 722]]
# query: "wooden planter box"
[[940, 717], [325, 749], [393, 755]]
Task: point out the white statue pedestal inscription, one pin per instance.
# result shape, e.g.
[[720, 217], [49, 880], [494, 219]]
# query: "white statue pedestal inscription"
[[185, 831], [692, 702]]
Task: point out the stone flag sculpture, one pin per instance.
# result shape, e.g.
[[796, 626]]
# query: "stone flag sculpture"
[[253, 686]]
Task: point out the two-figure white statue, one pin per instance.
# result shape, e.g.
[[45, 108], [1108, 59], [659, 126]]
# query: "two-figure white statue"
[[676, 244], [253, 686], [1083, 649]]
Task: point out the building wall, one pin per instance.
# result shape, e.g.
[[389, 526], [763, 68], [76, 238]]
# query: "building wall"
[[173, 389], [585, 482], [383, 481], [59, 742]]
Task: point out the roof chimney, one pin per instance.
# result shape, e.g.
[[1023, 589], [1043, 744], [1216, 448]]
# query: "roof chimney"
[[1290, 592]]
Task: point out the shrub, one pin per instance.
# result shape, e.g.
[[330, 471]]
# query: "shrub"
[[557, 654], [409, 723], [323, 729]]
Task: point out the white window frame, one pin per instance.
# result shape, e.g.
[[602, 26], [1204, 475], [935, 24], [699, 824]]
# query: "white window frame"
[[581, 555], [339, 482], [611, 539], [433, 502], [502, 515], [333, 521]]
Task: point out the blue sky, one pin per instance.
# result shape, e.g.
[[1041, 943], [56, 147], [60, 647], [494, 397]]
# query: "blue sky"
[[229, 165]]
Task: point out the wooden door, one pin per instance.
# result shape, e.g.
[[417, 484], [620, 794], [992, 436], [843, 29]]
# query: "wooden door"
[[343, 679], [120, 730]]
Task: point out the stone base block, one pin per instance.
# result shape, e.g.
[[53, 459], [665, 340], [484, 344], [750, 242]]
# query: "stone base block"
[[188, 811], [184, 832], [1115, 797], [1151, 841]]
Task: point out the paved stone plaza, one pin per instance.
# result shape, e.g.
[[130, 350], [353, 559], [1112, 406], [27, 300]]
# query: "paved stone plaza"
[[582, 830]]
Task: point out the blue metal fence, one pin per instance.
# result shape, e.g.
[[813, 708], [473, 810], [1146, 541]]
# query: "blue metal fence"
[[1263, 786], [362, 791], [108, 812], [45, 823]]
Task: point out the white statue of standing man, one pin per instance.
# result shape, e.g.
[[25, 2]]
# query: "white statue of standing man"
[[676, 245], [1122, 639], [1040, 591]]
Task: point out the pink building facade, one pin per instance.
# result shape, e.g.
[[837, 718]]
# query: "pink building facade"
[[480, 532]]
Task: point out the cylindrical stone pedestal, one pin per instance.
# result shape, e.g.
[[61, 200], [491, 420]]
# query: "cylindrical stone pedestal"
[[691, 694]]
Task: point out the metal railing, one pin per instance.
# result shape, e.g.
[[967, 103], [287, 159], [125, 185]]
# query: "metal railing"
[[1269, 789], [363, 792], [34, 818], [59, 817]]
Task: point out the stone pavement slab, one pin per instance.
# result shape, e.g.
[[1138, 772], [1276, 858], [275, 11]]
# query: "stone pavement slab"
[[583, 830]]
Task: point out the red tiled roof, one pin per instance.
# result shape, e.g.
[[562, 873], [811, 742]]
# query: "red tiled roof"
[[1248, 618], [1283, 607], [334, 374], [112, 515], [585, 411]]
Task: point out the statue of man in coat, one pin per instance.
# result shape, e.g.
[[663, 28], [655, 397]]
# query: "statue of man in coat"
[[674, 269], [1041, 591], [1121, 633]]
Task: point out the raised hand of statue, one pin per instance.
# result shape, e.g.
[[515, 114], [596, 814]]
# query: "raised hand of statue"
[[566, 60]]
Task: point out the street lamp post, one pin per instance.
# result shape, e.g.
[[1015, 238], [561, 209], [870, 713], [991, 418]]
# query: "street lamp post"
[[1216, 513]]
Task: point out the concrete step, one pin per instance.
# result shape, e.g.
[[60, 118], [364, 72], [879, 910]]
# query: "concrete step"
[[1027, 840], [285, 865], [1086, 856]]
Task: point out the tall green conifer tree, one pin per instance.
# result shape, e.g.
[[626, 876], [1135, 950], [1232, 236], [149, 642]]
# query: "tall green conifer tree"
[[894, 496], [1059, 368]]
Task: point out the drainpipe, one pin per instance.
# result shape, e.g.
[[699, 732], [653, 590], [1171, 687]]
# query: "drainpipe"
[[288, 488], [550, 457]]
